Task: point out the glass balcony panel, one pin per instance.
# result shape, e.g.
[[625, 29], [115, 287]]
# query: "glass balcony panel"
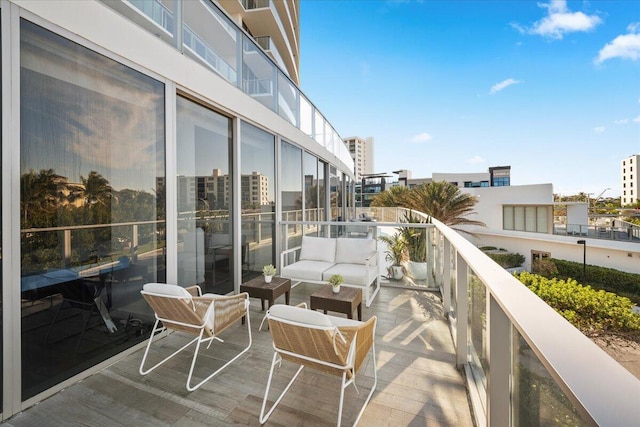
[[306, 116], [319, 128], [211, 38], [328, 137], [155, 16], [287, 100], [477, 324], [537, 399], [258, 74]]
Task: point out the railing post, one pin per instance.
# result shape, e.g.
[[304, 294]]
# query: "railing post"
[[446, 278], [499, 355], [462, 311], [134, 242]]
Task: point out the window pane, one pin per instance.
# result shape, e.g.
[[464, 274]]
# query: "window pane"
[[205, 255], [542, 219], [257, 169], [507, 218], [530, 218], [518, 218], [291, 185], [87, 124], [310, 187]]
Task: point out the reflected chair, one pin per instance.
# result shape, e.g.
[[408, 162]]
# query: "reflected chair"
[[330, 344], [186, 310]]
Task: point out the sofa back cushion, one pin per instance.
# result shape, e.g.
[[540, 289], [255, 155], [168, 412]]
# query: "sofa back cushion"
[[318, 249], [354, 251]]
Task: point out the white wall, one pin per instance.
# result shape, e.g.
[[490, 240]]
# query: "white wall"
[[491, 199], [623, 256]]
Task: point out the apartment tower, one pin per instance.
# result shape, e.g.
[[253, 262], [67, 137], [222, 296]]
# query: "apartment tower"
[[361, 150], [630, 180]]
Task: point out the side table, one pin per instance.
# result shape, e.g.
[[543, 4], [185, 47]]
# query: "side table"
[[258, 288], [344, 301]]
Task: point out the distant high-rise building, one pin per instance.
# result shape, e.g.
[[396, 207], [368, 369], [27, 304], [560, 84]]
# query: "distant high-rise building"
[[630, 180], [361, 150]]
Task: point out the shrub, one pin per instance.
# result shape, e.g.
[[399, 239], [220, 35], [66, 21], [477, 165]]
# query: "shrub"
[[506, 259], [609, 279], [591, 311], [544, 267]]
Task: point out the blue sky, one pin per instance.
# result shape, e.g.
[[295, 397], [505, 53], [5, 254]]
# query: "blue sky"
[[550, 88]]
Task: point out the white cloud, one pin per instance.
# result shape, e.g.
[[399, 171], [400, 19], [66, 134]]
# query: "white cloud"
[[420, 138], [475, 160], [621, 121], [637, 119], [502, 85], [599, 129], [626, 46], [559, 21]]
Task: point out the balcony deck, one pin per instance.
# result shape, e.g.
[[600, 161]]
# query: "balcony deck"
[[418, 383]]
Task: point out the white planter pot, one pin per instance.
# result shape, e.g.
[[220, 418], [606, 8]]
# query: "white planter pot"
[[417, 270], [267, 279], [335, 289], [396, 272]]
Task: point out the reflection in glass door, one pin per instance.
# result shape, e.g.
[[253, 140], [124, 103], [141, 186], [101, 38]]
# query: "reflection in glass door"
[[204, 191], [257, 174]]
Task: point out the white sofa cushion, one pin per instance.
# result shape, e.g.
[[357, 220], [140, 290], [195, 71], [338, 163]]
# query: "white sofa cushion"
[[354, 251], [353, 274], [165, 289], [299, 315], [318, 249], [305, 270]]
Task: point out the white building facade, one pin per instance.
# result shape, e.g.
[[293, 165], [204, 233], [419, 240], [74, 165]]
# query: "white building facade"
[[361, 150], [630, 179]]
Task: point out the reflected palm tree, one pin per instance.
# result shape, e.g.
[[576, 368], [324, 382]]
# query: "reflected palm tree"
[[40, 195], [96, 189]]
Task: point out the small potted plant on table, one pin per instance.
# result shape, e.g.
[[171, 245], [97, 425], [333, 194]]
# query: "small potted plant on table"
[[268, 271], [335, 281]]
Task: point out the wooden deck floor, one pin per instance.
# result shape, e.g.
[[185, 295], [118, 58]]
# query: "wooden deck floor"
[[418, 383]]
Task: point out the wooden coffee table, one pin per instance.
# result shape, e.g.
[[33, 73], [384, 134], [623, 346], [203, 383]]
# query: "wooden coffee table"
[[258, 288], [344, 301]]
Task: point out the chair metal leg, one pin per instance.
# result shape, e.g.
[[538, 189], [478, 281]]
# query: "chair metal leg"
[[276, 360], [195, 356], [146, 352]]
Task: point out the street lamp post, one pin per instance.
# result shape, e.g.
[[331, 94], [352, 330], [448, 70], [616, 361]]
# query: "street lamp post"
[[584, 260]]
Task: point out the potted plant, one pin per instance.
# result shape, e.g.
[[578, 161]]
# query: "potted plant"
[[268, 271], [396, 254], [335, 281], [416, 239]]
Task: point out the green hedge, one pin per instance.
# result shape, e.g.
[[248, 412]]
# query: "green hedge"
[[507, 259], [589, 310], [609, 279]]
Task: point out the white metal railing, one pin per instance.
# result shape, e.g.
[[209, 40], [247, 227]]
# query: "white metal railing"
[[525, 364]]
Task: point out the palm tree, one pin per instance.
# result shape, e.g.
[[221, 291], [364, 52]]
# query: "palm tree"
[[394, 196], [440, 200]]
